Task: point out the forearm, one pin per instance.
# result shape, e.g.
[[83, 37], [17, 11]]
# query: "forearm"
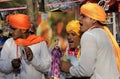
[[42, 65], [5, 66]]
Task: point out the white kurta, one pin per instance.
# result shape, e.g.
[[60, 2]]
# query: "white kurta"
[[29, 70], [97, 58]]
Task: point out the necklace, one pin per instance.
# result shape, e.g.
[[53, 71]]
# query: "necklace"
[[75, 52]]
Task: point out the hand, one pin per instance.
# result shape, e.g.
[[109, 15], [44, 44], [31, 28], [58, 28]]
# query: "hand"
[[16, 63], [65, 66], [1, 46], [29, 53]]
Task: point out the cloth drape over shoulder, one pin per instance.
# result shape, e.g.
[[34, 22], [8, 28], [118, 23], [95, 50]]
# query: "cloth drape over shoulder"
[[115, 46], [33, 39]]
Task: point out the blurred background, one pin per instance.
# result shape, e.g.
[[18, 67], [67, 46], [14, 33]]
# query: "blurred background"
[[49, 17]]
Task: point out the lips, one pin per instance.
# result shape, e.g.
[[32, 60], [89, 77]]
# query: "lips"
[[71, 44], [81, 24], [71, 41]]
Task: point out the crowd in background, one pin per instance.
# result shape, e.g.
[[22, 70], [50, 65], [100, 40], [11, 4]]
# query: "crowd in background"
[[87, 51]]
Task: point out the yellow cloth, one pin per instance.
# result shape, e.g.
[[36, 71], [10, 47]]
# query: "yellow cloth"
[[94, 11], [20, 21], [73, 25], [115, 46]]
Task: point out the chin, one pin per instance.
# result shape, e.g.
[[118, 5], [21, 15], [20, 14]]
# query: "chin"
[[71, 46], [15, 38], [81, 29], [84, 30]]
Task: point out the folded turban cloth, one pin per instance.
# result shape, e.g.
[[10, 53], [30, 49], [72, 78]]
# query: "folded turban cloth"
[[73, 26], [20, 21], [94, 11], [32, 39], [115, 46]]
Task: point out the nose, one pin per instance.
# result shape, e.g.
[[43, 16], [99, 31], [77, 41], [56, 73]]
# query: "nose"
[[80, 18], [10, 31], [69, 37]]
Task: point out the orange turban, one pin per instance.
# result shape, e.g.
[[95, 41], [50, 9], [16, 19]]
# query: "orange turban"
[[73, 26], [20, 21], [94, 11]]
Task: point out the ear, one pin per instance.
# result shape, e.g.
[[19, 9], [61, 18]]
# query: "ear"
[[23, 31], [93, 21]]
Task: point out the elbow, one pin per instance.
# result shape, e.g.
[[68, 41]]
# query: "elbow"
[[43, 68]]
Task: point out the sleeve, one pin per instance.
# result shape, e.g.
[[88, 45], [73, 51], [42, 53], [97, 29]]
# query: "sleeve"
[[5, 62], [42, 61], [88, 57]]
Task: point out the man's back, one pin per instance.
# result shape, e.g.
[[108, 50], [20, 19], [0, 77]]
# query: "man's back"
[[101, 63]]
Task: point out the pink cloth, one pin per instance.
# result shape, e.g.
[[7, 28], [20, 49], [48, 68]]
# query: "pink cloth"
[[56, 56]]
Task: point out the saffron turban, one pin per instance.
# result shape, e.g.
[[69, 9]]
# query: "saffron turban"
[[73, 26], [20, 21], [94, 11]]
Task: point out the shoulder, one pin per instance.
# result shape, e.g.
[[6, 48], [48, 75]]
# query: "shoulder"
[[40, 44], [94, 32], [87, 34], [9, 41]]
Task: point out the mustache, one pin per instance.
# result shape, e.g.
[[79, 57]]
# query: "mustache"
[[80, 24]]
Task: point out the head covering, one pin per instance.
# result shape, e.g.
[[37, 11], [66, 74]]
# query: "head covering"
[[94, 11], [32, 39], [7, 17], [73, 26], [20, 21]]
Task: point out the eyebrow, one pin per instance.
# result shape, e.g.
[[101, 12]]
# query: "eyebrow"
[[83, 15], [12, 28]]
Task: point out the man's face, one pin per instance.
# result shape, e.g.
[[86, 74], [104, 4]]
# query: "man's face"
[[16, 33], [85, 22], [1, 34], [73, 39]]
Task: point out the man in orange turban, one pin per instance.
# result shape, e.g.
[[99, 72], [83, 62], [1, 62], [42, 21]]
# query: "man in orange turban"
[[24, 56], [98, 51], [20, 21]]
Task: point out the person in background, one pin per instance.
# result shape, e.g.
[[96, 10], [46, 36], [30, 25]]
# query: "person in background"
[[56, 57], [44, 29], [24, 56], [72, 53], [2, 39], [99, 57]]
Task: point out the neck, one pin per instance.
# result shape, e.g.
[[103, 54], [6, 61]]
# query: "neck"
[[25, 35], [96, 25], [72, 49]]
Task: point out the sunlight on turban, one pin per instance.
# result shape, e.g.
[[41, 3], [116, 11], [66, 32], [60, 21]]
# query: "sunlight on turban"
[[94, 11], [20, 21], [73, 26]]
